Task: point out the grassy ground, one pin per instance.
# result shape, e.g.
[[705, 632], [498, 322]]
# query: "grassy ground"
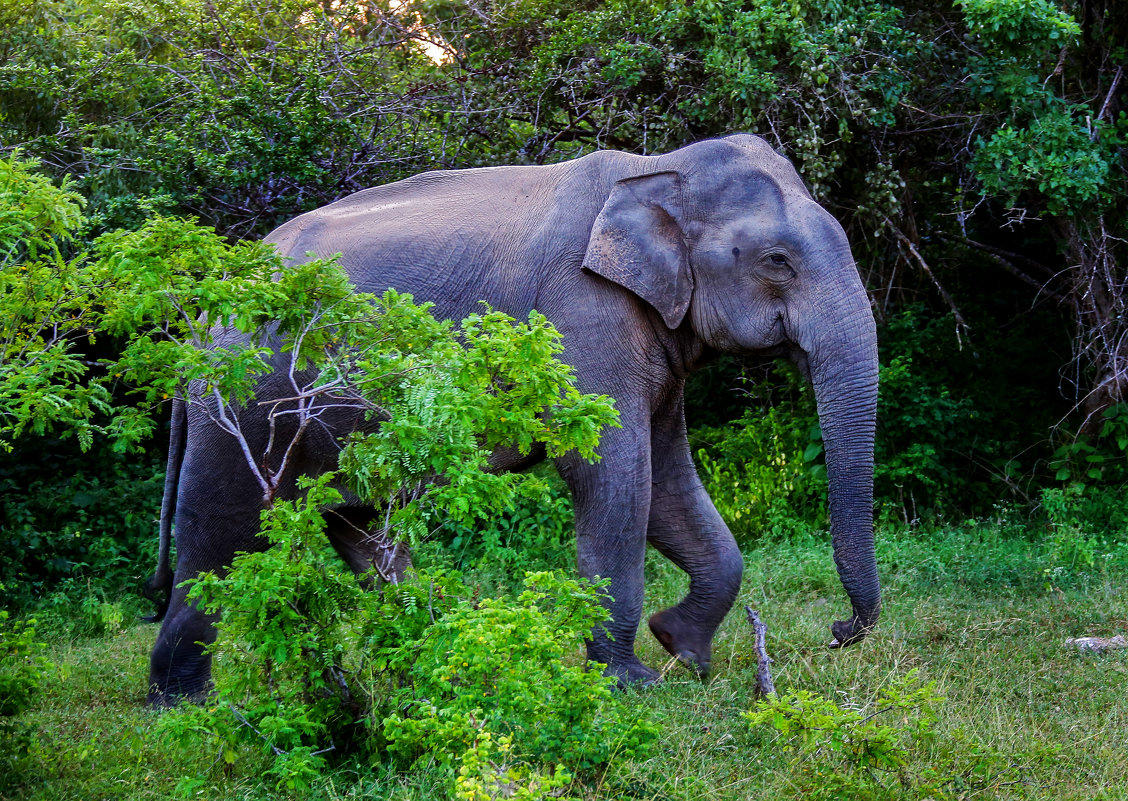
[[981, 611]]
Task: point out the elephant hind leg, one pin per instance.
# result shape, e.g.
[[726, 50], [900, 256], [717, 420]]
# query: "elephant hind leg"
[[180, 666], [685, 527], [355, 535]]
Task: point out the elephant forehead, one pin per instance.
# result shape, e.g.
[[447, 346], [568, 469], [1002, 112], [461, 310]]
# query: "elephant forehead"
[[734, 175], [817, 224]]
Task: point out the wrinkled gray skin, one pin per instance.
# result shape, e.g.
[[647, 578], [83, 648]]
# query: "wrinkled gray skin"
[[648, 265]]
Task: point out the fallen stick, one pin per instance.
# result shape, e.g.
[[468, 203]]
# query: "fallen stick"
[[1098, 644], [764, 684]]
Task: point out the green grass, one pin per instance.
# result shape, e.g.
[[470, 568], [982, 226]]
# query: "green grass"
[[982, 610]]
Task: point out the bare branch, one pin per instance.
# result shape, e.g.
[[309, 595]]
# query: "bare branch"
[[1108, 99], [961, 323], [764, 684]]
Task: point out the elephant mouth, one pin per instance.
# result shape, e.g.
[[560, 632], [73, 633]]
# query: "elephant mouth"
[[789, 351], [799, 358]]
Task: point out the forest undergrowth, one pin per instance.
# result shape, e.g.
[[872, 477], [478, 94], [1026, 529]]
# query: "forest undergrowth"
[[988, 700]]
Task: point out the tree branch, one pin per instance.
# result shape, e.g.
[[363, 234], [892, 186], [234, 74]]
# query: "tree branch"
[[961, 323], [764, 684]]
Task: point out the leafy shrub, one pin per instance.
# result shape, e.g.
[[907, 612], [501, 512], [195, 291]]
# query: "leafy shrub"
[[289, 653], [920, 425], [1020, 24], [22, 668], [311, 666], [496, 669], [1057, 155], [1098, 459], [839, 751], [310, 656], [534, 533], [949, 440], [64, 522], [765, 470], [1087, 526], [884, 750]]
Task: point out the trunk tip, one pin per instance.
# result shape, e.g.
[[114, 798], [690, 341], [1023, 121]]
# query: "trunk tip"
[[849, 632]]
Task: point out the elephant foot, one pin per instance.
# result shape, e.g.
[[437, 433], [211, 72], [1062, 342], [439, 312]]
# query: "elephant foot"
[[683, 639], [161, 699], [632, 673]]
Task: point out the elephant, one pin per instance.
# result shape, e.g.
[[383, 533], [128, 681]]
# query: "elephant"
[[649, 266]]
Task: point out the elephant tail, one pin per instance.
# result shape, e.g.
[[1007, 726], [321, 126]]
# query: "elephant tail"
[[158, 588]]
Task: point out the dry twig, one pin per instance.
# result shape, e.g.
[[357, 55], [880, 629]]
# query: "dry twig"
[[764, 684]]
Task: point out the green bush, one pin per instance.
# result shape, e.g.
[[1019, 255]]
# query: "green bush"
[[765, 475], [289, 656], [886, 750], [311, 667], [765, 470], [1055, 155], [1086, 530], [923, 425], [1099, 459], [840, 751], [306, 660], [134, 103], [534, 533], [496, 670], [22, 668], [949, 439], [63, 523]]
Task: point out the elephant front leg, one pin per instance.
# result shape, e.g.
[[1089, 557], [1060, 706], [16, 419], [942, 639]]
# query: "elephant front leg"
[[685, 527], [611, 500]]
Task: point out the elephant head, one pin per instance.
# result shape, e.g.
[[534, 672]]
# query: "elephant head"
[[731, 250]]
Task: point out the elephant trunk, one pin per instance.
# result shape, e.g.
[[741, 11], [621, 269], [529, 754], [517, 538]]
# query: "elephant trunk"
[[844, 369]]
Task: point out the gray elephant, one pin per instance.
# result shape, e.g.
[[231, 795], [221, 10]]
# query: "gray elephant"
[[649, 266]]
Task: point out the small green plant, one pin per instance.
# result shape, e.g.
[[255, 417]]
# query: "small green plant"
[[22, 667], [1101, 458], [1086, 526], [487, 772], [866, 753]]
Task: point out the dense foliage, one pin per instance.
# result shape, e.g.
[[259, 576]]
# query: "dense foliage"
[[315, 668], [974, 152]]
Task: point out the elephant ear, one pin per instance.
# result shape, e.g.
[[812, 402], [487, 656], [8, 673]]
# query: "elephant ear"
[[637, 242]]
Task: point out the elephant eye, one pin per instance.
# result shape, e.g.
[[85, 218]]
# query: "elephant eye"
[[779, 261]]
